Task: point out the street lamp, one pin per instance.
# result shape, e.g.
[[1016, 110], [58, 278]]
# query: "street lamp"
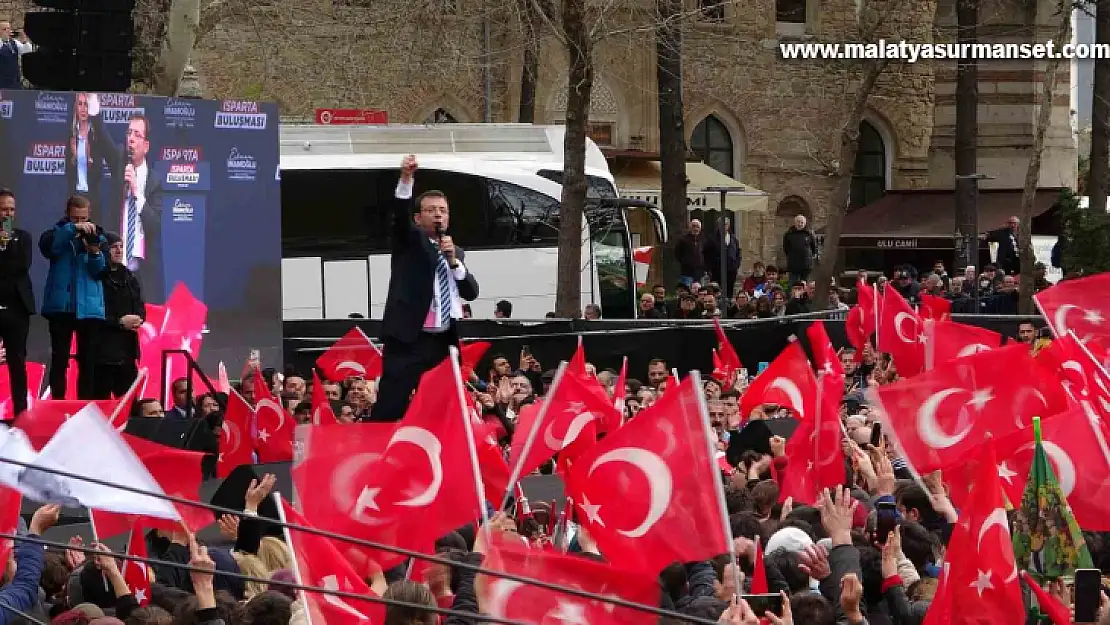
[[970, 242]]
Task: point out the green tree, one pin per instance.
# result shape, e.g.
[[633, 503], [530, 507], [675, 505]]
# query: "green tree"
[[1086, 237]]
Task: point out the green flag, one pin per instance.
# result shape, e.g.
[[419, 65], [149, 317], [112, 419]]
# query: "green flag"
[[1047, 541]]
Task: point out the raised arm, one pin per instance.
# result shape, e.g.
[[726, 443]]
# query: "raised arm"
[[402, 206]]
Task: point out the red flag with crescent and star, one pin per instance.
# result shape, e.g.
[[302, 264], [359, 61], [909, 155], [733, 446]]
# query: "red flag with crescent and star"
[[1077, 306], [353, 355], [647, 493], [942, 415], [423, 485], [902, 333], [322, 412], [236, 446], [135, 573], [979, 570], [274, 426], [814, 454], [788, 381]]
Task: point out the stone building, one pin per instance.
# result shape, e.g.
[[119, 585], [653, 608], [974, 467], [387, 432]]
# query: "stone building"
[[766, 121]]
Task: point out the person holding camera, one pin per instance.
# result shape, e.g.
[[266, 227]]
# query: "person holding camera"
[[117, 354], [73, 302]]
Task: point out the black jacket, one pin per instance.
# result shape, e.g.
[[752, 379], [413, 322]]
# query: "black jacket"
[[1008, 260], [412, 266], [689, 251], [15, 265], [800, 248], [122, 296]]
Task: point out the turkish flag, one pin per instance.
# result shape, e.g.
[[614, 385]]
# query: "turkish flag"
[[1076, 306], [470, 353], [569, 414], [36, 372], [353, 355], [274, 426], [322, 412], [178, 472], [979, 571], [935, 307], [1077, 461], [759, 572], [870, 302], [816, 458], [648, 493], [236, 447], [424, 485], [320, 564], [324, 479], [181, 327], [824, 354], [135, 573], [495, 471], [901, 334], [43, 420], [788, 381], [511, 600], [855, 330], [730, 361], [942, 415], [949, 340], [620, 390], [11, 501], [1082, 377]]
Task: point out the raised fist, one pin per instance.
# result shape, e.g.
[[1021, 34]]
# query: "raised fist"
[[408, 167]]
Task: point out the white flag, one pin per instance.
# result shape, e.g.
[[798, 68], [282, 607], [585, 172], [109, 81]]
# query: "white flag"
[[86, 445]]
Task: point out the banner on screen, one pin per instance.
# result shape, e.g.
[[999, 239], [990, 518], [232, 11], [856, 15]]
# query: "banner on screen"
[[189, 184]]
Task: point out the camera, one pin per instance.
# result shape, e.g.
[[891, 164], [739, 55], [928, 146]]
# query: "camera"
[[93, 238]]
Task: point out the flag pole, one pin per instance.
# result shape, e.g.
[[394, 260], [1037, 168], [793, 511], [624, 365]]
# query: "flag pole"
[[518, 466], [96, 541], [875, 312], [292, 552], [129, 396], [470, 446], [930, 343], [703, 410], [1051, 325]]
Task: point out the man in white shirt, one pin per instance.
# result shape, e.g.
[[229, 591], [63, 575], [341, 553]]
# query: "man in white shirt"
[[427, 285], [10, 50]]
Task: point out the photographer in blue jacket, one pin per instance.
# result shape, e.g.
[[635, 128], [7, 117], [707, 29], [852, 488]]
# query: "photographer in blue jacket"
[[73, 302]]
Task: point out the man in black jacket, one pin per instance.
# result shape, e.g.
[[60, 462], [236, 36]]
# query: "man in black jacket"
[[427, 284], [17, 302], [1007, 239], [799, 244], [124, 312]]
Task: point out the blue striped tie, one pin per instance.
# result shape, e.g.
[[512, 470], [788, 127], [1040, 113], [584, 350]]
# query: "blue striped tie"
[[132, 227], [443, 274]]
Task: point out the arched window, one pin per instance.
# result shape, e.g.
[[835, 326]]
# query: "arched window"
[[869, 177], [441, 116], [712, 142]]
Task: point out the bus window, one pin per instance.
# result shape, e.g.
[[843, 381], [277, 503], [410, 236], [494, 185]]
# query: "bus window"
[[597, 187], [614, 270], [466, 197], [521, 217], [326, 213]]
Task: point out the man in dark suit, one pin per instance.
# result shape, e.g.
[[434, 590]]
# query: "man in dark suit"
[[1006, 238], [17, 303], [135, 201], [427, 284]]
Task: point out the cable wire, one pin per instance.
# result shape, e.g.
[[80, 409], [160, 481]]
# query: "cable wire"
[[377, 546]]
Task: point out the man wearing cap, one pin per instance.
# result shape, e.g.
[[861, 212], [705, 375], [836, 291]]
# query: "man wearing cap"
[[124, 313]]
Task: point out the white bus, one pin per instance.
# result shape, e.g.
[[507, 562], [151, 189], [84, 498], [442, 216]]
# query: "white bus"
[[503, 185]]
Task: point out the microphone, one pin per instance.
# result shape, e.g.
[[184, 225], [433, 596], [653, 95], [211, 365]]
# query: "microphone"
[[440, 231]]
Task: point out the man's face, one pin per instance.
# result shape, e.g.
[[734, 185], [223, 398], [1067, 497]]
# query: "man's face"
[[848, 363], [501, 366], [180, 394], [938, 268], [591, 314], [153, 409], [5, 31], [732, 411], [1026, 333], [716, 414], [1008, 284], [521, 386], [695, 227], [647, 302], [7, 207], [433, 212], [689, 303], [295, 385], [742, 298], [657, 374], [708, 302], [115, 253], [331, 391], [772, 275], [800, 222], [137, 140], [797, 291], [659, 293], [1012, 223], [78, 214]]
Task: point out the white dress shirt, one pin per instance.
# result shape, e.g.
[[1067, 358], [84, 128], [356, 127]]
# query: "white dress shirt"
[[431, 322], [140, 202]]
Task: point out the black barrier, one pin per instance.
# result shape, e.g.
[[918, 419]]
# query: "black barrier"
[[685, 345]]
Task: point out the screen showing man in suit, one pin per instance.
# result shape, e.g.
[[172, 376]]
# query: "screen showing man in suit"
[[427, 285]]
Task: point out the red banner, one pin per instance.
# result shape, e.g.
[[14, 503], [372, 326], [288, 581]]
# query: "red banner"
[[351, 116]]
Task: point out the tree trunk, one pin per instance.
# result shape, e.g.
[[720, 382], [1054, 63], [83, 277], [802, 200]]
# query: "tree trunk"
[[182, 26], [672, 131], [531, 65], [568, 289], [1098, 174], [838, 207], [1033, 173], [967, 138]]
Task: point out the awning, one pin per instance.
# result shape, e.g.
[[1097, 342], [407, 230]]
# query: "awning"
[[931, 213], [641, 180]]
